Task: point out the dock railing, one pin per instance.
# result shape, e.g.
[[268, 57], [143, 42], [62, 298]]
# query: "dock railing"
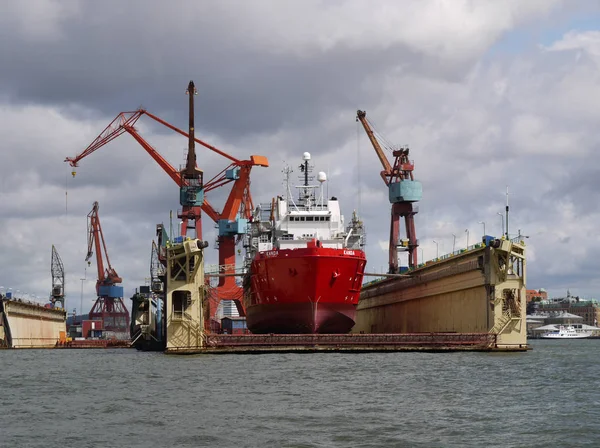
[[442, 340]]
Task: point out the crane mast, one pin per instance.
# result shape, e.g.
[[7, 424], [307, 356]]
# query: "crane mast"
[[109, 306], [157, 271], [191, 196], [403, 192], [58, 280]]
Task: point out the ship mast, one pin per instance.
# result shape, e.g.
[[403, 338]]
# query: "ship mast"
[[306, 195]]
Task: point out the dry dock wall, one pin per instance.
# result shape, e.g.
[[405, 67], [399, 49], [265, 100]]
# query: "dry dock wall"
[[28, 325], [479, 291], [185, 296]]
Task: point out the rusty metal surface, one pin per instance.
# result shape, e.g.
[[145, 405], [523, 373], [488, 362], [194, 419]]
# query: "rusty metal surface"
[[95, 343], [373, 340]]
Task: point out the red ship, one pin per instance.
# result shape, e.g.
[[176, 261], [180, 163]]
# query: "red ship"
[[306, 267]]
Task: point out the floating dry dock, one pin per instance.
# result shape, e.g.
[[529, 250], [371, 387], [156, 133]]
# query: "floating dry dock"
[[473, 300], [26, 324]]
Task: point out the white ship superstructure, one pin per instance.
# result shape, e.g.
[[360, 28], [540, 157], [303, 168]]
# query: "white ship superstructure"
[[290, 224]]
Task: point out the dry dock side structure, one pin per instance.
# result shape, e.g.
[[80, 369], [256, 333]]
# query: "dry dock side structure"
[[481, 290], [30, 325], [185, 296]]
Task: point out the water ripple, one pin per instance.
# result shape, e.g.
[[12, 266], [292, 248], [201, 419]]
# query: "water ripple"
[[98, 398]]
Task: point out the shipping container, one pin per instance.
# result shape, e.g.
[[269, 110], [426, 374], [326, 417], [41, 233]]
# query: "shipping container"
[[89, 326]]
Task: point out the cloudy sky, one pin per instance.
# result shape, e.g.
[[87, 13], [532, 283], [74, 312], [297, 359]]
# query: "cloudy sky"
[[486, 94]]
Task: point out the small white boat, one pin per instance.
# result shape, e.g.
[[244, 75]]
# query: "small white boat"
[[566, 332]]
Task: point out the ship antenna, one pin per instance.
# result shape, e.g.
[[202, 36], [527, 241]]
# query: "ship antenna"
[[327, 186], [322, 178], [288, 192], [286, 172], [358, 198], [304, 167], [507, 212]]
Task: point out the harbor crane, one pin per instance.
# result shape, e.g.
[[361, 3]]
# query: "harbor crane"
[[57, 269], [404, 191], [232, 221], [157, 271], [109, 306]]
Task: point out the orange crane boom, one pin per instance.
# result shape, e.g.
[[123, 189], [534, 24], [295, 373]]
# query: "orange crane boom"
[[239, 202], [387, 168]]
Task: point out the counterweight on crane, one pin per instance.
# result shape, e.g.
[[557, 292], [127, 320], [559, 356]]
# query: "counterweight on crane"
[[109, 306], [58, 280], [404, 191]]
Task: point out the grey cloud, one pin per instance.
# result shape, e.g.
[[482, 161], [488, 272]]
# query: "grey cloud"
[[254, 100], [110, 63]]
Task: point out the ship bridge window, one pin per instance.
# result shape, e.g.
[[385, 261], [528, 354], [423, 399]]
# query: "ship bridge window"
[[309, 218], [301, 218]]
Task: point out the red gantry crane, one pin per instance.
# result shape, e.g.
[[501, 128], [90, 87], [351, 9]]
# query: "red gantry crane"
[[403, 192], [232, 221], [109, 306]]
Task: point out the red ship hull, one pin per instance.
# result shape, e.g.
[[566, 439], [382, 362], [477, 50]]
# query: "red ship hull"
[[305, 290]]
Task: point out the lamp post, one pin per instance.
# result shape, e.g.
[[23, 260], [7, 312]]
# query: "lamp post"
[[483, 222], [467, 232], [501, 222], [437, 249], [453, 243], [422, 257], [81, 300]]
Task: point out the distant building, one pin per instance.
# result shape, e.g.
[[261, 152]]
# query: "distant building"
[[536, 295], [588, 309]]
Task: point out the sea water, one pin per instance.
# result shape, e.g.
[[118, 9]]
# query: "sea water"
[[549, 396]]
